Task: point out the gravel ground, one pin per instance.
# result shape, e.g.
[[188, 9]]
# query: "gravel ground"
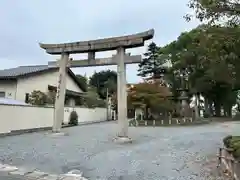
[[160, 153], [5, 176]]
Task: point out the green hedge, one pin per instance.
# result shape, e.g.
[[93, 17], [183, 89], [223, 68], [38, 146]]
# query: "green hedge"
[[73, 119], [233, 143]]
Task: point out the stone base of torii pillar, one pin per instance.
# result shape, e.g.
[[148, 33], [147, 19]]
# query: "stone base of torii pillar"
[[122, 140]]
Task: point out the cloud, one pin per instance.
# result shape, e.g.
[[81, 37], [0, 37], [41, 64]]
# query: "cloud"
[[26, 23]]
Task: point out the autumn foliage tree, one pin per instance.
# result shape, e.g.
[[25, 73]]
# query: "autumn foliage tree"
[[150, 96]]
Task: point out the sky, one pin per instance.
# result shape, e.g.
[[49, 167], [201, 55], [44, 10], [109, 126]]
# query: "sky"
[[25, 23]]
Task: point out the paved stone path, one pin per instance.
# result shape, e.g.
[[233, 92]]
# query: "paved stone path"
[[160, 153]]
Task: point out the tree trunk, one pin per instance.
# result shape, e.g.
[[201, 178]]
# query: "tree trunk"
[[228, 110], [217, 107], [211, 107], [207, 106]]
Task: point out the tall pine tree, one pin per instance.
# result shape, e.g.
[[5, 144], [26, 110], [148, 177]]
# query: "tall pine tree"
[[153, 62]]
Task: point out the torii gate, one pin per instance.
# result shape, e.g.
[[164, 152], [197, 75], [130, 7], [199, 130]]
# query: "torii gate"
[[91, 47]]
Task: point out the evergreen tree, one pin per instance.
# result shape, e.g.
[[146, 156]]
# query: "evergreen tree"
[[104, 80], [152, 64], [83, 81]]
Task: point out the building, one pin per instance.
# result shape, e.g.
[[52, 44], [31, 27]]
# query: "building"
[[18, 83]]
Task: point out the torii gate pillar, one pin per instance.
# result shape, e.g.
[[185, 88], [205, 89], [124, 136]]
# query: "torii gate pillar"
[[122, 94], [60, 95]]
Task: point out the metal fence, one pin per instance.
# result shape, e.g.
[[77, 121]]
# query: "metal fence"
[[226, 162]]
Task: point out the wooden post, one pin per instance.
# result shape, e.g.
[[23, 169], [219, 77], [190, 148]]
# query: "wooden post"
[[107, 105], [232, 168], [219, 157]]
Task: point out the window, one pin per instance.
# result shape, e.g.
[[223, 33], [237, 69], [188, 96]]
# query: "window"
[[27, 98], [2, 94]]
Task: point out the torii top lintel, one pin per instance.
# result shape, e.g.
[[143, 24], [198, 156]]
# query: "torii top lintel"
[[106, 44]]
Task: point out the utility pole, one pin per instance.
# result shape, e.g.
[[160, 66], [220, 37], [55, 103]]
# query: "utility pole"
[[107, 105]]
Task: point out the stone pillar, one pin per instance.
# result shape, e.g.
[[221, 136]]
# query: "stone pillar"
[[109, 108], [60, 96], [184, 104], [196, 107], [91, 55], [122, 95]]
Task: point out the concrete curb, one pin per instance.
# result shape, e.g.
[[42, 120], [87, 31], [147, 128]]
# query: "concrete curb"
[[92, 122], [39, 175], [25, 131]]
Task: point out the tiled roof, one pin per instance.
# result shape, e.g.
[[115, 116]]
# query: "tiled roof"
[[23, 70], [17, 72]]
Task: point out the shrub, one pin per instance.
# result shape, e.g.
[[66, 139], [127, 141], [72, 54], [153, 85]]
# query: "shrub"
[[73, 119], [206, 115], [132, 122], [233, 142], [38, 98], [237, 116], [236, 154], [226, 141]]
